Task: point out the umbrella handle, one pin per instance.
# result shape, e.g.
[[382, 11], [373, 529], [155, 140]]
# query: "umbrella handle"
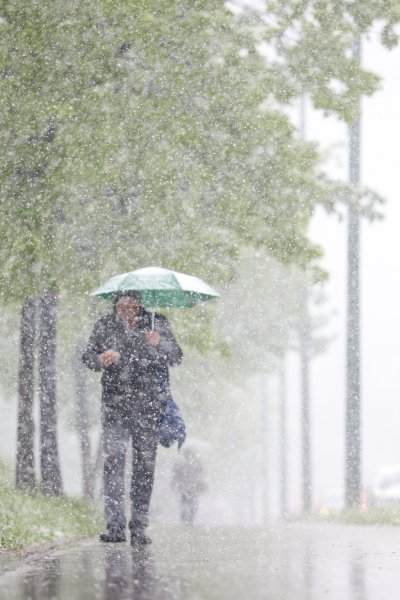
[[152, 320]]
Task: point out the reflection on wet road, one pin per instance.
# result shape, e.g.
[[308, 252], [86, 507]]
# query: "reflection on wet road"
[[294, 562]]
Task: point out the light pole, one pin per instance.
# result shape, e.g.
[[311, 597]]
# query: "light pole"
[[282, 440], [265, 447], [306, 479], [305, 346], [353, 406]]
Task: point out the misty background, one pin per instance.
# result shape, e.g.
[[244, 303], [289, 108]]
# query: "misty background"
[[239, 443]]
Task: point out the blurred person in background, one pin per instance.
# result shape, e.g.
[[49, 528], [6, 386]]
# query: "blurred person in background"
[[188, 482]]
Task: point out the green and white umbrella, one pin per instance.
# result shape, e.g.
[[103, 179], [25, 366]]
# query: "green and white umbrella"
[[159, 288]]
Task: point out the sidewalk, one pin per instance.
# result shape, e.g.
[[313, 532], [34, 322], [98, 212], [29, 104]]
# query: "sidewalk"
[[289, 562]]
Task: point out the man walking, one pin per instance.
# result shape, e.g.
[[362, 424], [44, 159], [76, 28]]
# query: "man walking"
[[130, 353]]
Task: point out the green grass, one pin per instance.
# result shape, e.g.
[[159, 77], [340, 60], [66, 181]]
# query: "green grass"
[[27, 519], [369, 516]]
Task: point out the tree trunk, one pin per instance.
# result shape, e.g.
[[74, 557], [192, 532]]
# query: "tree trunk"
[[49, 458], [97, 469], [25, 464], [82, 423]]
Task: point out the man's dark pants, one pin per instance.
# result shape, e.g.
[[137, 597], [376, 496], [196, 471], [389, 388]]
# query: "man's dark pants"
[[142, 430]]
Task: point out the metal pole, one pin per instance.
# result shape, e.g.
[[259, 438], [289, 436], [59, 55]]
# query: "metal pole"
[[305, 414], [305, 345], [283, 440], [265, 446], [353, 412]]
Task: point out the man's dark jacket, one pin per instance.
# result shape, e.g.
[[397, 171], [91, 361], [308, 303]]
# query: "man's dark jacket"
[[130, 387]]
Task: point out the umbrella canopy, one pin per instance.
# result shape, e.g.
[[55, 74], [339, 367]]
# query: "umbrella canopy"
[[159, 288]]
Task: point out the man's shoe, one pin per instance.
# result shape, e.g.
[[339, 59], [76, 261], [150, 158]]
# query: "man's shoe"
[[139, 538], [113, 536]]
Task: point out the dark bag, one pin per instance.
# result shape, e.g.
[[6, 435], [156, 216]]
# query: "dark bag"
[[172, 426]]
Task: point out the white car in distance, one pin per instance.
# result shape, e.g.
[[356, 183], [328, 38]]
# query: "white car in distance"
[[384, 490]]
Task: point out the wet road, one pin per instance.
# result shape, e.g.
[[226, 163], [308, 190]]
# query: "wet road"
[[291, 562]]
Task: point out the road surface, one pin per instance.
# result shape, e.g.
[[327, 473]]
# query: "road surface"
[[287, 562]]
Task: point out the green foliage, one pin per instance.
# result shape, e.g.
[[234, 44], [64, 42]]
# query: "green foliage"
[[137, 134], [309, 47]]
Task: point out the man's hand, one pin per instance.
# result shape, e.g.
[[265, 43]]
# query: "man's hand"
[[109, 357], [153, 337]]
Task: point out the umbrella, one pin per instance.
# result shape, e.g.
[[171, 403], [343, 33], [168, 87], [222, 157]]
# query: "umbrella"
[[161, 288]]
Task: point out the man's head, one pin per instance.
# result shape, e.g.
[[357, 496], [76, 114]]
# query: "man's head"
[[128, 305]]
